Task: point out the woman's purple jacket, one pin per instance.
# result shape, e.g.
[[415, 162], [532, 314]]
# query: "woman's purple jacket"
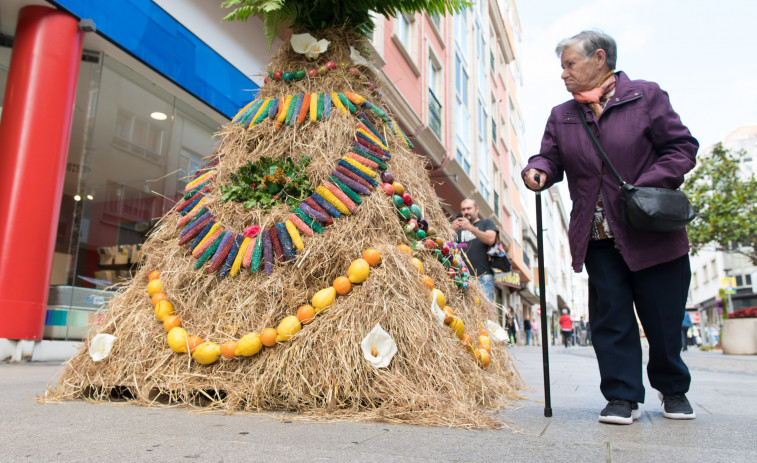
[[648, 145]]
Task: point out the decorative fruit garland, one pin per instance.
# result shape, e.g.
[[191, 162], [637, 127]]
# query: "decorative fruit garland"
[[322, 70], [206, 352], [481, 353]]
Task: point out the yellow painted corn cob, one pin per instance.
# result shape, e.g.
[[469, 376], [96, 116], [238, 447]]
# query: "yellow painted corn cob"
[[240, 256], [285, 110], [357, 165], [329, 196], [295, 235], [314, 107], [338, 103]]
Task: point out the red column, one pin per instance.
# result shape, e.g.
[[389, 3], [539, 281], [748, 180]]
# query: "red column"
[[34, 134]]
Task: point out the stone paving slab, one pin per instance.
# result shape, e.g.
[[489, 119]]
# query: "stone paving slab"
[[724, 394]]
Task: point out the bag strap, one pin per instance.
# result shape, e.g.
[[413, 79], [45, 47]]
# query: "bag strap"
[[602, 153]]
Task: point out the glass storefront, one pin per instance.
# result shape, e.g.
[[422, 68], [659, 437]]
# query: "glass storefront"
[[133, 143]]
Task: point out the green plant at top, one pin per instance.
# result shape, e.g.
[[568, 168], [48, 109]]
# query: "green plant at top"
[[315, 15], [725, 201], [269, 182]]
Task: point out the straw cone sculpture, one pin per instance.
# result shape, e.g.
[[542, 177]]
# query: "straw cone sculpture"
[[317, 369]]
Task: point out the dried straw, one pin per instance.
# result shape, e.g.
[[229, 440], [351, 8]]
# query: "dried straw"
[[321, 372]]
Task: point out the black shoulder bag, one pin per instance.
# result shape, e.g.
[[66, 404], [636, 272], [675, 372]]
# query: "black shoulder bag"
[[647, 208]]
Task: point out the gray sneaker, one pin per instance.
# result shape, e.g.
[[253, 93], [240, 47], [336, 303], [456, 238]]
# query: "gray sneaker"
[[676, 407], [619, 411]]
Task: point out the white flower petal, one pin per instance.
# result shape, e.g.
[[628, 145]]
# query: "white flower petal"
[[384, 344], [357, 58], [100, 346], [497, 332], [301, 42], [436, 310]]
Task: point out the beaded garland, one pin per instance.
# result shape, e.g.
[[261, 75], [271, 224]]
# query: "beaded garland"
[[288, 76]]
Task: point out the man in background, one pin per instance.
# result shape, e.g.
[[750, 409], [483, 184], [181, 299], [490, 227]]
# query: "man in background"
[[479, 234]]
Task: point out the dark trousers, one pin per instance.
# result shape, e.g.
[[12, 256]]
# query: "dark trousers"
[[659, 295]]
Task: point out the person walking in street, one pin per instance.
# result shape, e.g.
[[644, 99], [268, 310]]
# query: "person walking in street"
[[649, 146], [479, 234], [685, 326], [566, 327], [527, 330]]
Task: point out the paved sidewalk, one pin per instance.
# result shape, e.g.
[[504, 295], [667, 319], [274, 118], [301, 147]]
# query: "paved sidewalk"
[[724, 395]]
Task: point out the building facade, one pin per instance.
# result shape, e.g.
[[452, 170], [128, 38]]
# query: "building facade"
[[151, 82], [719, 277]]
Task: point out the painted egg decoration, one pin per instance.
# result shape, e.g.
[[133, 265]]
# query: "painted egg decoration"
[[387, 177], [404, 212]]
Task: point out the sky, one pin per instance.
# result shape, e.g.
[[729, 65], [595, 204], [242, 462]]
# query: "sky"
[[703, 53]]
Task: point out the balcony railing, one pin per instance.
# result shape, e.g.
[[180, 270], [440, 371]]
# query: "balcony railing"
[[434, 114]]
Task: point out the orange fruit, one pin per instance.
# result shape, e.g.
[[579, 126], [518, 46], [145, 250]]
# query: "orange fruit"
[[171, 321], [342, 285], [405, 248], [482, 357], [372, 256], [306, 313], [193, 341], [153, 287], [228, 349], [268, 337], [449, 315], [157, 297], [154, 275], [428, 281]]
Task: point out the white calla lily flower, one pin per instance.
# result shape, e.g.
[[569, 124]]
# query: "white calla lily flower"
[[437, 311], [378, 347], [497, 332], [100, 346], [357, 58], [306, 44]]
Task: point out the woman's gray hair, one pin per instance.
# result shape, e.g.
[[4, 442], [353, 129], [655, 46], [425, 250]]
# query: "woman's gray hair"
[[590, 41]]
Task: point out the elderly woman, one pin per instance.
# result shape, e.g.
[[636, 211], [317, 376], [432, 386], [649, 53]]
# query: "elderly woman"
[[649, 146]]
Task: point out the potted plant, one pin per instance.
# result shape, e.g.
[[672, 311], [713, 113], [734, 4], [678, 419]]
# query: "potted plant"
[[739, 335]]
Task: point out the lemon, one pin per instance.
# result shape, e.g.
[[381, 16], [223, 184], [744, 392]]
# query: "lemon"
[[177, 339], [324, 298], [163, 309], [287, 328], [417, 264], [154, 286], [207, 353], [441, 301], [358, 271], [458, 327], [250, 344]]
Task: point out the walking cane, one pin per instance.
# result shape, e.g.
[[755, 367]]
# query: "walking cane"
[[543, 303]]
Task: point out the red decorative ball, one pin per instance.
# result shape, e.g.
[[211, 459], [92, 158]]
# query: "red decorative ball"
[[277, 75], [388, 189], [407, 199], [430, 244], [331, 65], [445, 250], [313, 73], [451, 272]]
